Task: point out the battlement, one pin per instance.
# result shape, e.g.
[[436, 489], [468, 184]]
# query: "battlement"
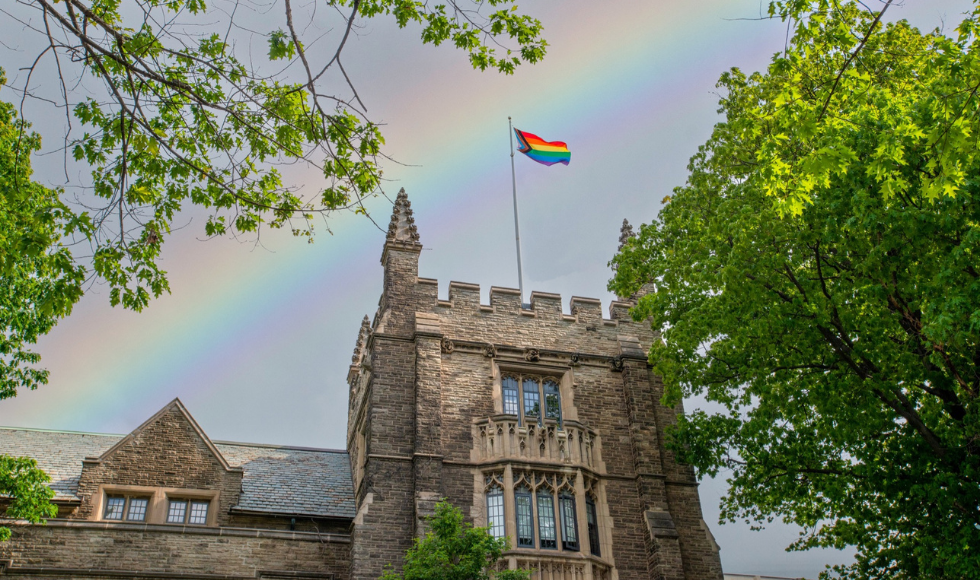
[[464, 296]]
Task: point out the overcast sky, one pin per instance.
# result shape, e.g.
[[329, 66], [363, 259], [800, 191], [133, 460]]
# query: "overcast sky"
[[256, 338]]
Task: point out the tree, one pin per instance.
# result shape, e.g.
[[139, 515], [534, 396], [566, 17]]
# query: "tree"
[[454, 550], [176, 114], [39, 279], [22, 484], [818, 280]]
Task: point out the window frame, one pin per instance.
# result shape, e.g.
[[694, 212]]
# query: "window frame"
[[112, 498], [592, 523], [566, 509], [546, 494], [110, 502], [129, 508], [495, 491], [512, 383], [523, 491], [171, 502]]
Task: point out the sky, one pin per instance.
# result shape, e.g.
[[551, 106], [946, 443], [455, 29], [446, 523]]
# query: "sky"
[[256, 335]]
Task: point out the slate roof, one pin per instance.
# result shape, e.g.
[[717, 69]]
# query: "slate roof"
[[315, 481], [280, 480]]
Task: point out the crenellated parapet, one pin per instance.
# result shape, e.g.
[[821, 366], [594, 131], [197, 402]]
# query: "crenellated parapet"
[[465, 296]]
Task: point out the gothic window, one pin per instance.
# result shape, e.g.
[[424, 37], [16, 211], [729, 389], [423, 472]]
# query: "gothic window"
[[495, 511], [525, 516], [552, 401], [569, 531], [532, 400], [593, 522], [509, 388], [114, 508], [546, 520], [523, 396]]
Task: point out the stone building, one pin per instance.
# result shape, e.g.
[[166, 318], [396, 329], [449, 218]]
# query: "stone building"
[[544, 426]]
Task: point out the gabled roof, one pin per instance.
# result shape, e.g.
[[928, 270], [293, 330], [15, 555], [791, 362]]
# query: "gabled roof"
[[296, 481], [174, 405]]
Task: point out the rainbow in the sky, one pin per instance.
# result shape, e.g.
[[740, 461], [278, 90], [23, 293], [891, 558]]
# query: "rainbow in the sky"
[[544, 152]]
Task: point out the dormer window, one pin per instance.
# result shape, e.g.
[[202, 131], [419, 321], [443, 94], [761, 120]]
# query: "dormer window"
[[154, 505], [115, 507], [522, 396], [137, 509], [120, 507], [182, 511]]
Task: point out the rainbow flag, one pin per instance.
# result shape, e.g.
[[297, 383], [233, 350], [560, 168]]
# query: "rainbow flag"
[[544, 152]]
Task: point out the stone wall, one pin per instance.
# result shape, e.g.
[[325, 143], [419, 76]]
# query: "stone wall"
[[74, 549], [427, 384], [167, 451]]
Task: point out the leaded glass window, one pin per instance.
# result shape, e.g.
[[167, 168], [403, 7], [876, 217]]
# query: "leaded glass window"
[[532, 401], [593, 522], [176, 511], [509, 387], [569, 530], [495, 511], [552, 401], [137, 509], [199, 513], [546, 520], [525, 517], [114, 508]]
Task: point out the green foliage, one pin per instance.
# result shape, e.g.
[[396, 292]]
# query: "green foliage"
[[39, 280], [185, 121], [454, 550], [24, 485], [818, 278], [180, 121]]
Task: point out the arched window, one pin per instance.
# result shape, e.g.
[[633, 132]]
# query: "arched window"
[[495, 511], [525, 516], [569, 528], [552, 401], [509, 387]]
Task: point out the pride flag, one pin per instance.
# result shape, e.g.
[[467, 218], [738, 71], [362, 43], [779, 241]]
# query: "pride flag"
[[544, 152]]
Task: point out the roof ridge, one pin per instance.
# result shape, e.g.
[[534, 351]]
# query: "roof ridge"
[[62, 431], [274, 446]]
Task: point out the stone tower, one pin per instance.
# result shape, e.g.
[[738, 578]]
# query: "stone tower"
[[547, 427]]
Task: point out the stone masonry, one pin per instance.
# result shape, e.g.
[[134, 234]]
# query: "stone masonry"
[[434, 413], [424, 390]]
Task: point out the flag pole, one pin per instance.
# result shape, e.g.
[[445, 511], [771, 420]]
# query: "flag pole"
[[517, 226]]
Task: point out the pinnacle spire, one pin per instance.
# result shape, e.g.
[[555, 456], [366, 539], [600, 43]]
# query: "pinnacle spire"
[[625, 233], [361, 341], [402, 226]]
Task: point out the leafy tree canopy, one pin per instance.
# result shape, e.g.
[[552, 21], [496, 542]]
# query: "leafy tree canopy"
[[23, 485], [39, 280], [818, 279], [454, 550], [192, 103]]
